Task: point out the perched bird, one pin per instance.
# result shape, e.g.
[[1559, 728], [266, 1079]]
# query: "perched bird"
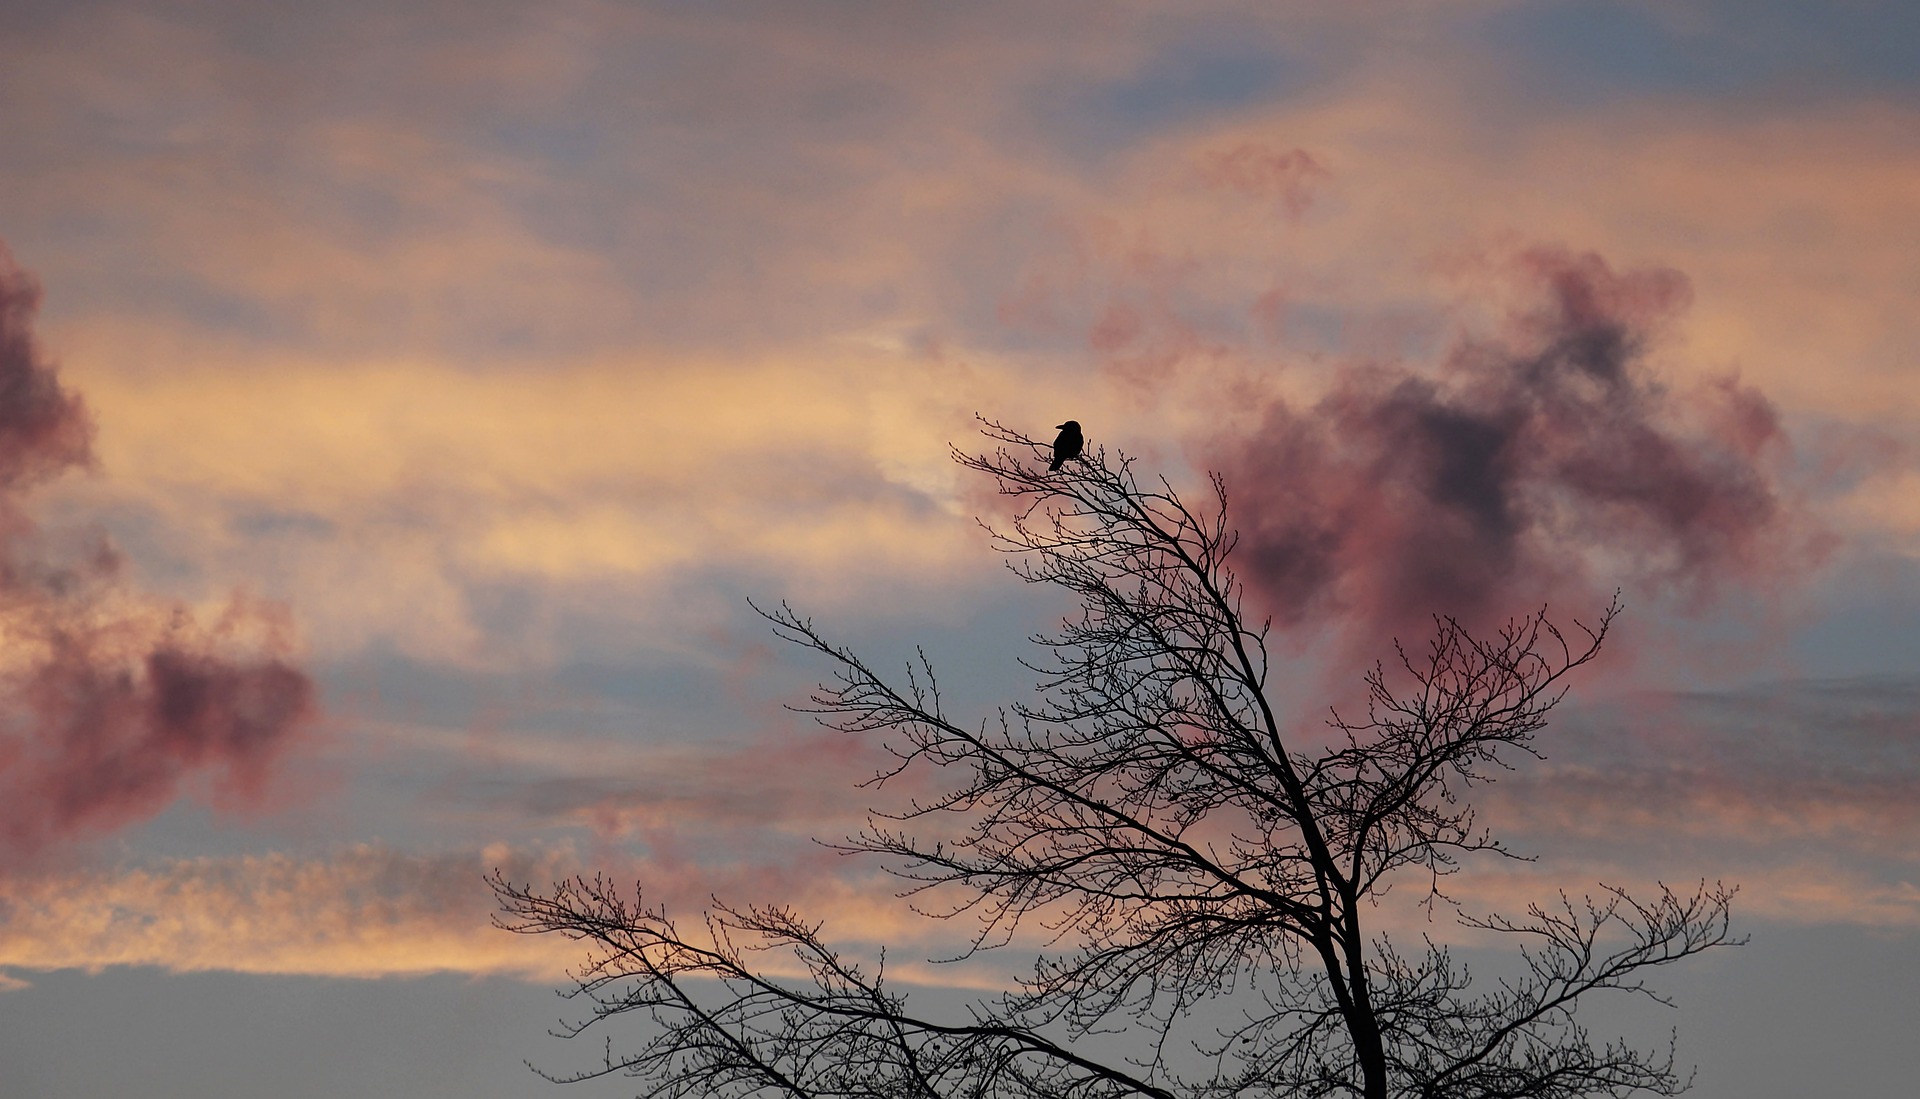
[[1068, 444]]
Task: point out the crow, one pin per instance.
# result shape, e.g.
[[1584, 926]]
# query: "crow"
[[1068, 444]]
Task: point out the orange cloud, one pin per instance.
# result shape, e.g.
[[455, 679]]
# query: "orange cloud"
[[366, 912], [615, 475]]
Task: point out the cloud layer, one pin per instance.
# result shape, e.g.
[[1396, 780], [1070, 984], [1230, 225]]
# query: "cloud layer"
[[529, 343]]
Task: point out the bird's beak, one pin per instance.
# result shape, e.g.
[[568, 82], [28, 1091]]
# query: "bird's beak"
[[1060, 427]]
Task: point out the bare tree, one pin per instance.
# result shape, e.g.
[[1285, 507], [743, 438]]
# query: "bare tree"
[[1184, 859]]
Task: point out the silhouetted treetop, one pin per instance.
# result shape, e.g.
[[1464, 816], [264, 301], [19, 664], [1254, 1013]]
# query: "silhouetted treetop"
[[1192, 874]]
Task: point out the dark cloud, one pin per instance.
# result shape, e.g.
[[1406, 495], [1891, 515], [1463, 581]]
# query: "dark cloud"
[[109, 699], [1547, 462], [43, 428]]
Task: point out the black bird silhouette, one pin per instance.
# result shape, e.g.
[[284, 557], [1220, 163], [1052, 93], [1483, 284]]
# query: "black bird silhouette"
[[1068, 444]]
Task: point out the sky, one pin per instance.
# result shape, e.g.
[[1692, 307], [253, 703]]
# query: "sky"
[[399, 404]]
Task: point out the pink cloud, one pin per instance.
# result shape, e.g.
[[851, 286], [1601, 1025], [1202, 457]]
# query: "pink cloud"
[[112, 698], [1261, 171], [1547, 462]]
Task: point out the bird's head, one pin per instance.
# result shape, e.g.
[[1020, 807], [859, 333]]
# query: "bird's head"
[[1070, 424]]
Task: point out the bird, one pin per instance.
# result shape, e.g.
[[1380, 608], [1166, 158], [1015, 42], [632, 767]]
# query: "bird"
[[1068, 444]]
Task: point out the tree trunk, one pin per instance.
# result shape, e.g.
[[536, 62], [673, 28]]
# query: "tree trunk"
[[1361, 1022]]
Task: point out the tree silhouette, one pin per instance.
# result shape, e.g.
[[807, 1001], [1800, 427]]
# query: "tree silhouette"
[[1206, 886]]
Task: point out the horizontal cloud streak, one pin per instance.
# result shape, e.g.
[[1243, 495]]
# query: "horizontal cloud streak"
[[1825, 760], [366, 912], [1807, 794], [369, 911]]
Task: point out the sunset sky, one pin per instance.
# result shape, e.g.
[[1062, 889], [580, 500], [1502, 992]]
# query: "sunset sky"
[[400, 402]]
